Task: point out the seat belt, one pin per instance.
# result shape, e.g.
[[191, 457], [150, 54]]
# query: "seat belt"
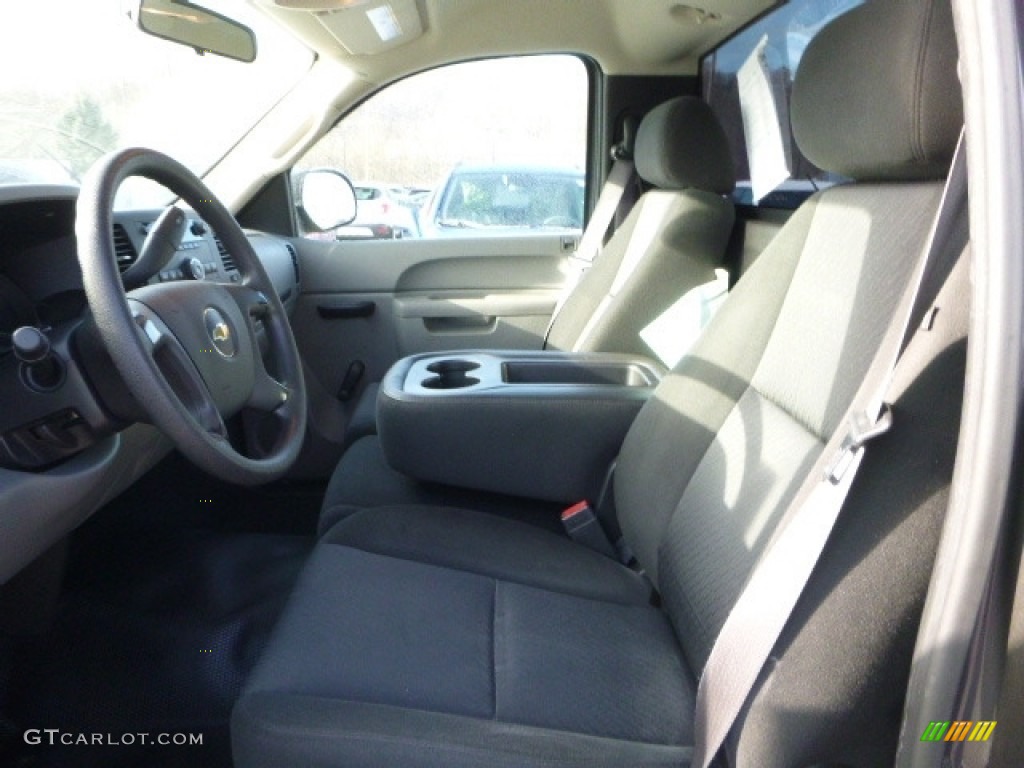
[[1009, 753], [620, 178], [757, 619]]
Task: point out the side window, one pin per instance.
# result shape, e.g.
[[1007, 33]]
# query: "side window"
[[776, 44], [493, 147]]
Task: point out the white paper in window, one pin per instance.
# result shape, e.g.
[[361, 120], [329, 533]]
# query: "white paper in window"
[[766, 152]]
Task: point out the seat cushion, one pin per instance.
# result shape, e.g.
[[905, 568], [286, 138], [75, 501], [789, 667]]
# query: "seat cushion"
[[363, 479], [512, 647]]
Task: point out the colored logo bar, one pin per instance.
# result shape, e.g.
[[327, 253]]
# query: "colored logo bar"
[[958, 730]]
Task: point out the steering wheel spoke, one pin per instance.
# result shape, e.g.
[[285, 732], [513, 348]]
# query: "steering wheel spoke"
[[153, 337], [178, 370], [251, 301], [268, 394]]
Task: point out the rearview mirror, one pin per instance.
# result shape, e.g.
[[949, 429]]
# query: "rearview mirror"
[[207, 32], [326, 198]]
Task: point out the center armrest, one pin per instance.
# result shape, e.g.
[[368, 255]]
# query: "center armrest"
[[544, 425]]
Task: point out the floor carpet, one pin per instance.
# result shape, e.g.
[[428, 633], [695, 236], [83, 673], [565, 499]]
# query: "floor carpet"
[[169, 597]]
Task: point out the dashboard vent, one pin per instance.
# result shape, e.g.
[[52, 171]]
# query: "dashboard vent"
[[295, 260], [124, 248], [225, 257]]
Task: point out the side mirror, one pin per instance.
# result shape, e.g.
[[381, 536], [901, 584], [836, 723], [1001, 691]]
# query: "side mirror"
[[207, 32], [326, 198]]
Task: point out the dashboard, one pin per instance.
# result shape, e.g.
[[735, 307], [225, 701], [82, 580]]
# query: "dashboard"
[[66, 449]]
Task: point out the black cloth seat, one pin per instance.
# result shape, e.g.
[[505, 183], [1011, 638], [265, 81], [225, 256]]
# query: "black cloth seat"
[[504, 625], [430, 636]]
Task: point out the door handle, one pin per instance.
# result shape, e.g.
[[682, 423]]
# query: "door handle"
[[346, 310]]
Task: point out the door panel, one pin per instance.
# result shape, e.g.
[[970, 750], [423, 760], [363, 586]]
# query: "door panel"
[[372, 302], [348, 266]]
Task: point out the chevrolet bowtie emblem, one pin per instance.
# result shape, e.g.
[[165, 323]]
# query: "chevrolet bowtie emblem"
[[219, 331]]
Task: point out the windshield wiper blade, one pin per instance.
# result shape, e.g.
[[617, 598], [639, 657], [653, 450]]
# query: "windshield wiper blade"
[[460, 224]]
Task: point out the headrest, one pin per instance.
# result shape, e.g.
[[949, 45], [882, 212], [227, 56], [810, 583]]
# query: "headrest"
[[876, 96], [680, 144]]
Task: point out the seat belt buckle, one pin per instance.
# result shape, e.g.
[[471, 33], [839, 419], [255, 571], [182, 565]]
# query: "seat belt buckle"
[[583, 527], [862, 431]]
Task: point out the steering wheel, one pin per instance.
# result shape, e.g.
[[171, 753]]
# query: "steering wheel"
[[187, 351]]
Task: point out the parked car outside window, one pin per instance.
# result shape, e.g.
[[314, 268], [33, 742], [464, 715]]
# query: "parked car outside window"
[[380, 214], [502, 199]]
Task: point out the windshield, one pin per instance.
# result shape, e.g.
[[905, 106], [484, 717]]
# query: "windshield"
[[82, 80]]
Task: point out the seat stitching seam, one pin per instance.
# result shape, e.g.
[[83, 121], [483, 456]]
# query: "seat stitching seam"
[[789, 412], [494, 652], [917, 92], [412, 558]]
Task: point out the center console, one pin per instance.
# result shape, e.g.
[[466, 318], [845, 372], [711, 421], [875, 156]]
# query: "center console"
[[544, 425]]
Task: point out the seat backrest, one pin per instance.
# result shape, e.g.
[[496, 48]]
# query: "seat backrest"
[[672, 241], [713, 459]]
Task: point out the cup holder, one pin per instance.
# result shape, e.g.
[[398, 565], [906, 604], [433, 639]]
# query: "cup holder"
[[451, 374]]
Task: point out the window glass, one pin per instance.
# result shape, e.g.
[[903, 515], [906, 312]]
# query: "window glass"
[[511, 197], [786, 33], [493, 147]]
